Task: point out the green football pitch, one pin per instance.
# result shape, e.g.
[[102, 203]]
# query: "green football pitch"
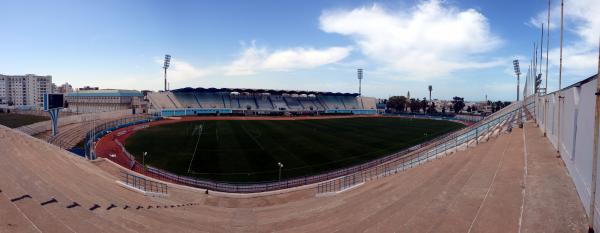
[[249, 151], [13, 120]]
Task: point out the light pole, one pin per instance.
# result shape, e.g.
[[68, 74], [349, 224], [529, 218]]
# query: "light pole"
[[359, 74], [518, 73], [280, 167], [166, 66], [144, 159]]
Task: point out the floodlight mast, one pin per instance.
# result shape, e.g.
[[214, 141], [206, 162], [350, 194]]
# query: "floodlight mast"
[[518, 73], [360, 77], [165, 67], [280, 165]]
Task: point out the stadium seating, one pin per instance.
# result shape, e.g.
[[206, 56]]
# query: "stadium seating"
[[209, 100], [278, 102], [264, 103], [260, 101], [293, 103], [188, 100], [309, 104], [332, 102], [164, 100]]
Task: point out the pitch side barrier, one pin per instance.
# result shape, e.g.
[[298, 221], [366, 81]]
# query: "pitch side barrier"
[[463, 118], [344, 178], [440, 148], [98, 131]]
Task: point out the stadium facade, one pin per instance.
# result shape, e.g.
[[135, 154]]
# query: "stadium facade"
[[199, 101]]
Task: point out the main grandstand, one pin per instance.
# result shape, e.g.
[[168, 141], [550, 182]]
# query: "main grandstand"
[[199, 101]]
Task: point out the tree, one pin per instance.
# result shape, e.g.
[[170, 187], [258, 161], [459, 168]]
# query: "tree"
[[499, 105], [458, 104], [424, 104], [415, 105], [469, 109], [432, 109], [397, 103], [430, 89]]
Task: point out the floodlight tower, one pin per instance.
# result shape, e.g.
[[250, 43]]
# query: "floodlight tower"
[[518, 73], [166, 66], [280, 165], [360, 77]]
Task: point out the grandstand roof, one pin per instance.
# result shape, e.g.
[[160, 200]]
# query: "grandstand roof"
[[107, 92], [270, 91]]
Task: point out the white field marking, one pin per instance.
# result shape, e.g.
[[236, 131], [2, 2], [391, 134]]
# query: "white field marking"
[[524, 180], [195, 148], [489, 188]]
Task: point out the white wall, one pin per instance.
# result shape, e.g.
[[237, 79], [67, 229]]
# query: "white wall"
[[576, 134]]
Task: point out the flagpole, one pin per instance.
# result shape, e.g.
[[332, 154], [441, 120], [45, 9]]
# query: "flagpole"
[[562, 6], [595, 149], [547, 59]]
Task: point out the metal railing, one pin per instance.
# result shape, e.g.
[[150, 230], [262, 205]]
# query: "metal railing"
[[98, 131], [144, 184], [440, 148]]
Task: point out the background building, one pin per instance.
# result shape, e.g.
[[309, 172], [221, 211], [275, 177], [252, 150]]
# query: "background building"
[[85, 101], [24, 90], [88, 88], [65, 88]]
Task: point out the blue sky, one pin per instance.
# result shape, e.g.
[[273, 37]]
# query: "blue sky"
[[462, 48]]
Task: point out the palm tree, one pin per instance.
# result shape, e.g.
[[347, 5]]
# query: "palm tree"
[[430, 89]]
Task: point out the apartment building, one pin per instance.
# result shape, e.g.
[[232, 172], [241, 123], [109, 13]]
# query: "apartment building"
[[24, 90]]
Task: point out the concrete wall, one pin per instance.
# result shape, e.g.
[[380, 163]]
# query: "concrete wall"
[[43, 126], [576, 139]]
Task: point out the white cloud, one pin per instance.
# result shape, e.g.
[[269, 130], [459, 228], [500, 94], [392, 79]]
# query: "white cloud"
[[581, 18], [181, 71], [254, 59], [431, 39]]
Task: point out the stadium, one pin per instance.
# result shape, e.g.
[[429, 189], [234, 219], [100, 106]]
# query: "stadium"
[[221, 159], [425, 159]]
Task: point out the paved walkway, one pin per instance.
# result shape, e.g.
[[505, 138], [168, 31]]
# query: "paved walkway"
[[551, 200]]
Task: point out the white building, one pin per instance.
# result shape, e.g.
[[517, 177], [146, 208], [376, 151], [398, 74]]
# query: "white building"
[[104, 100], [24, 90], [64, 89]]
